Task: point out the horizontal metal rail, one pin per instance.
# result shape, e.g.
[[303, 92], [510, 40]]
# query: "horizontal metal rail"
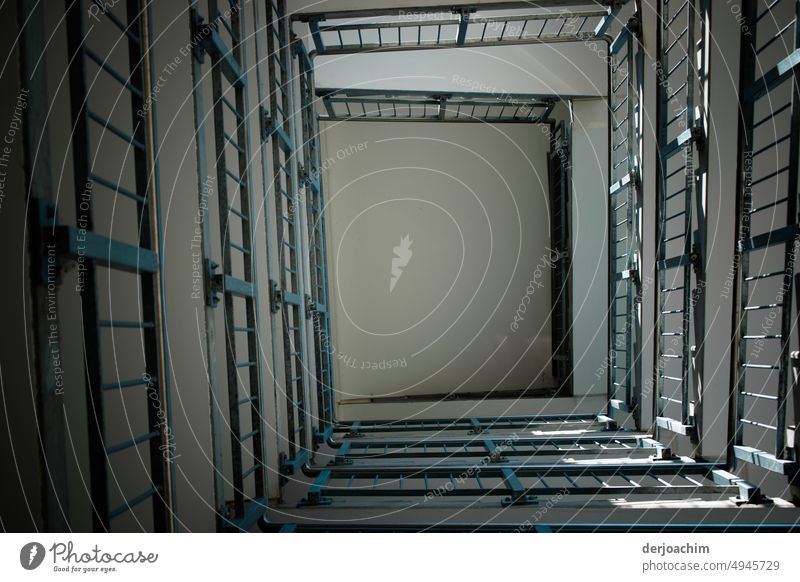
[[462, 107], [476, 425], [556, 469], [496, 449], [527, 527], [451, 26], [441, 8]]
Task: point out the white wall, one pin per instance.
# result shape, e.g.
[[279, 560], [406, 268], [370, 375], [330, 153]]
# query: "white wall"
[[562, 69], [472, 198], [590, 246]]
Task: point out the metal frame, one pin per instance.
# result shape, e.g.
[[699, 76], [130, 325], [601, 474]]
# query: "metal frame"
[[230, 101], [38, 181], [317, 298], [82, 244], [495, 448], [261, 66], [463, 107], [473, 425], [388, 105], [683, 40], [523, 484], [287, 293], [543, 392], [624, 241], [345, 104], [452, 26], [354, 461], [766, 238], [526, 527]]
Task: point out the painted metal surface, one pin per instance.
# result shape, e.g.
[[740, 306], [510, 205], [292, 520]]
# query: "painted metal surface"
[[625, 284], [240, 479], [288, 290], [682, 75], [317, 297], [521, 484], [561, 242], [451, 26], [476, 425], [91, 170]]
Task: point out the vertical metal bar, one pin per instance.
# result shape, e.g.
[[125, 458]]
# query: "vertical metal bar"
[[788, 321], [290, 270], [310, 175], [204, 249], [250, 263], [276, 85], [560, 204], [691, 147], [661, 115], [631, 217], [623, 196], [323, 275], [76, 21], [639, 122], [700, 198], [316, 35], [153, 300], [315, 216], [612, 285], [139, 83], [223, 201], [223, 59], [300, 267]]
